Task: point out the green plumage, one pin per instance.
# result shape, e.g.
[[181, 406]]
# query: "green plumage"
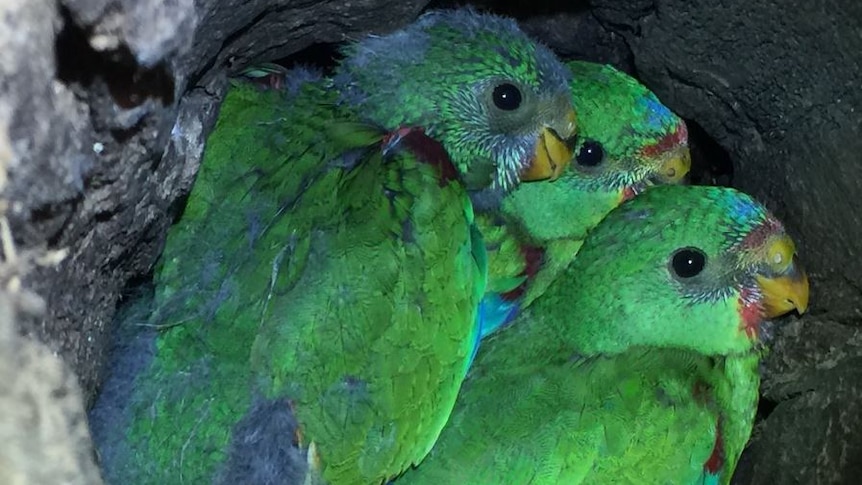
[[638, 140], [325, 295], [625, 371], [316, 303]]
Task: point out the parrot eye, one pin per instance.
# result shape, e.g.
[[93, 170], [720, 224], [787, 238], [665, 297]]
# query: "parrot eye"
[[507, 97], [590, 154], [688, 262]]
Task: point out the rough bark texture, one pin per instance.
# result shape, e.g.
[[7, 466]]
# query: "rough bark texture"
[[814, 383], [777, 85], [110, 102], [44, 438], [107, 104]]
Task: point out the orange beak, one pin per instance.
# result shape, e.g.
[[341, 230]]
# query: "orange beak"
[[553, 154], [785, 293]]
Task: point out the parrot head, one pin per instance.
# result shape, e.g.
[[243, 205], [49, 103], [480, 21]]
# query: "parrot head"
[[628, 138], [495, 99], [695, 267], [627, 141]]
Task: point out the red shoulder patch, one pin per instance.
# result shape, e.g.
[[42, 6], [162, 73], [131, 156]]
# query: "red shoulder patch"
[[702, 393], [533, 256], [427, 150], [716, 460]]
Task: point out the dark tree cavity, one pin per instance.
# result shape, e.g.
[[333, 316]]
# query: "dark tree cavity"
[[105, 106]]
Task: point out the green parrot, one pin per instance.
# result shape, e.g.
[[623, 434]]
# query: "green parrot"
[[627, 141], [315, 306], [639, 364]]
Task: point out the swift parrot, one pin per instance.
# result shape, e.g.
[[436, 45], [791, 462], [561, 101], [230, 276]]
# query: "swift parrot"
[[315, 305], [639, 364], [627, 141]]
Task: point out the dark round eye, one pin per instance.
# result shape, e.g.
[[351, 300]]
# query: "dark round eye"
[[590, 154], [507, 97], [688, 262]]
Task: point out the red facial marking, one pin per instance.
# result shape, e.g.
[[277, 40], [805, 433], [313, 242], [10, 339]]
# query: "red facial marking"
[[629, 193], [533, 256], [757, 236], [750, 312], [667, 142]]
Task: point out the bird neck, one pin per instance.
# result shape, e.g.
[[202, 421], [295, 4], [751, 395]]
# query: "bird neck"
[[545, 209]]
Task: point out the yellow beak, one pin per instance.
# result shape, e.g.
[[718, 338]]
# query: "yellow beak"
[[785, 293], [553, 154], [676, 165]]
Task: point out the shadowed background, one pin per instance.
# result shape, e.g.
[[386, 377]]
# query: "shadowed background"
[[105, 106]]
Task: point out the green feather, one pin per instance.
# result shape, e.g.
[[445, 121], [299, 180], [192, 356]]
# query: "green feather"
[[319, 306], [472, 54], [637, 135], [347, 135], [327, 268], [262, 70], [621, 371]]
